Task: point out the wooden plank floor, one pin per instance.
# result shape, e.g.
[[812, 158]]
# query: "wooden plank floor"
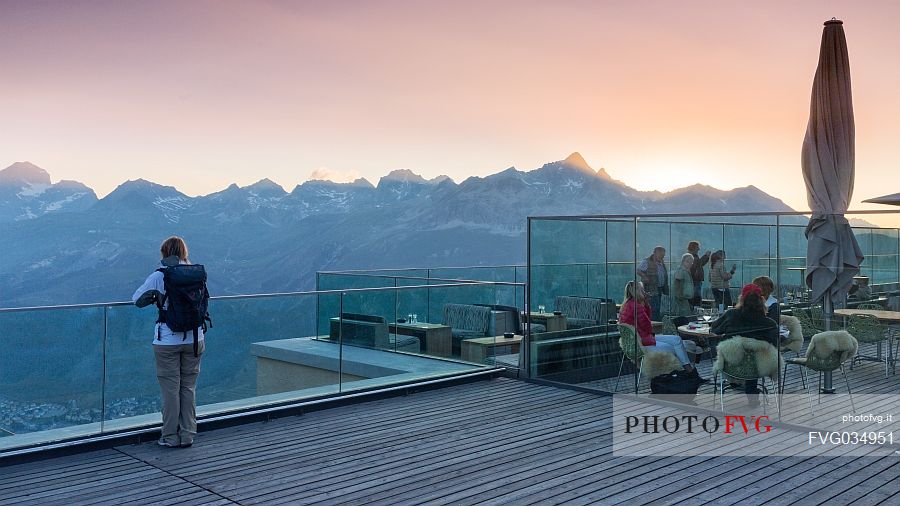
[[500, 441]]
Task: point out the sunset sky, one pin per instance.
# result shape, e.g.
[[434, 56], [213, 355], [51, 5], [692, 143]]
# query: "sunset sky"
[[661, 94]]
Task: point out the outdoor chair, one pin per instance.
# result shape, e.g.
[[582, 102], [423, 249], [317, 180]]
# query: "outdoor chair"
[[740, 359], [672, 322], [809, 327], [818, 317], [466, 321], [659, 362], [827, 352], [584, 311], [794, 341], [868, 329]]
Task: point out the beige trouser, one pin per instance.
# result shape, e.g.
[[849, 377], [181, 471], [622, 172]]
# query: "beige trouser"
[[177, 369]]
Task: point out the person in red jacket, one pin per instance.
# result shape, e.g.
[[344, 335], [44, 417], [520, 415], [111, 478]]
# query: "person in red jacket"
[[636, 309]]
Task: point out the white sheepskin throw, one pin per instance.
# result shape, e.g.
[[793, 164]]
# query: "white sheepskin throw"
[[657, 362], [660, 362], [732, 350], [824, 344], [794, 341]]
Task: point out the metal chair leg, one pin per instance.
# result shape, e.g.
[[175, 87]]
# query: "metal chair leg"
[[802, 376], [640, 370], [783, 377], [622, 365], [809, 393], [847, 381], [819, 390], [886, 358]]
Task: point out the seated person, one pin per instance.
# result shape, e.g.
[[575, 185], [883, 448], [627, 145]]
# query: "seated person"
[[636, 312], [748, 318], [860, 289], [767, 287]]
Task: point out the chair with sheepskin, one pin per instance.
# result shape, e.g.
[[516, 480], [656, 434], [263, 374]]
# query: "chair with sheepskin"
[[827, 351], [740, 359], [658, 362], [794, 341]]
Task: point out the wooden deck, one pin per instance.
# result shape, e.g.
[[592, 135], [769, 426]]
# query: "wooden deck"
[[497, 441]]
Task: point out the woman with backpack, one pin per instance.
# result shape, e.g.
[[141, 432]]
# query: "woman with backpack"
[[179, 291]]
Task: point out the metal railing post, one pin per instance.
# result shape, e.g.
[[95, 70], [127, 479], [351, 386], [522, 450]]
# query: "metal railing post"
[[341, 343], [103, 357]]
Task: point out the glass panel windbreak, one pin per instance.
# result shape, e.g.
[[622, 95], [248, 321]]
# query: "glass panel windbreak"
[[249, 359], [478, 273], [378, 348], [51, 374], [578, 269]]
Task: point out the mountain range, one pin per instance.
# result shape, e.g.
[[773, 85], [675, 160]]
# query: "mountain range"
[[71, 247]]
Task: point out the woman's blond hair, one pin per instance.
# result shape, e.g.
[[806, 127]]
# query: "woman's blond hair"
[[174, 246], [635, 290]]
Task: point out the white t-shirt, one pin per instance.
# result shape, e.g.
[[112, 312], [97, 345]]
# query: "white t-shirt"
[[166, 336]]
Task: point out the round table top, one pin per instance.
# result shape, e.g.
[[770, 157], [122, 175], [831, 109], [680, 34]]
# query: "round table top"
[[699, 331], [888, 316], [703, 331]]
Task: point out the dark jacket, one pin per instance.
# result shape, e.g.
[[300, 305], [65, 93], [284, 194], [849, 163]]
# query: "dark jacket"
[[650, 277], [697, 267], [774, 312], [733, 323]]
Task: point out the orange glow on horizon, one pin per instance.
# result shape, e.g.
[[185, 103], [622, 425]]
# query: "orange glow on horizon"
[[661, 95]]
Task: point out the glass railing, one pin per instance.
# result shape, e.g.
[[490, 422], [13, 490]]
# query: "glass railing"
[[69, 372], [578, 267]]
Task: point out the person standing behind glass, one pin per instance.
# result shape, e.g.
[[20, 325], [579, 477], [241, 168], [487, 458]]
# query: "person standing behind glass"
[[683, 286], [719, 278], [697, 275], [652, 272]]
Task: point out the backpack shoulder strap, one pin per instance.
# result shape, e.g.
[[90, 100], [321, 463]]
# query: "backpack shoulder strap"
[[160, 303]]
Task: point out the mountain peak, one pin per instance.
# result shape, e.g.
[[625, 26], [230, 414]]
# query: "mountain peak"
[[403, 175], [22, 173], [576, 160], [143, 187], [266, 185]]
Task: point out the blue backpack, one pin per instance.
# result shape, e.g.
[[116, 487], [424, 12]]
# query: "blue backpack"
[[188, 300]]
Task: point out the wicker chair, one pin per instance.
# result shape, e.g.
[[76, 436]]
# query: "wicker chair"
[[877, 307], [669, 326], [833, 360], [818, 318], [632, 349], [869, 330], [807, 323], [746, 369]]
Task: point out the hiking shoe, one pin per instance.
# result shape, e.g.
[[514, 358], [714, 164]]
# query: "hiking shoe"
[[163, 442], [186, 445]]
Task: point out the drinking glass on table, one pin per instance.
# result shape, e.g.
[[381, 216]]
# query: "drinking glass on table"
[[707, 315], [541, 309]]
